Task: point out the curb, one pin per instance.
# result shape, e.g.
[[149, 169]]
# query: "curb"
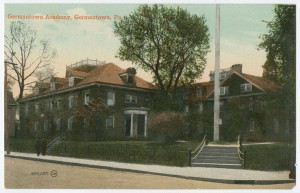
[[224, 181]]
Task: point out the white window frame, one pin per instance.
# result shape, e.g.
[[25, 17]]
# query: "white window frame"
[[36, 125], [46, 125], [26, 108], [71, 81], [112, 103], [71, 101], [52, 84], [186, 109], [46, 106], [224, 90], [130, 98], [37, 108], [251, 129], [86, 98], [70, 123], [199, 92], [86, 122], [58, 124], [59, 104], [200, 107], [113, 122], [51, 105], [246, 87]]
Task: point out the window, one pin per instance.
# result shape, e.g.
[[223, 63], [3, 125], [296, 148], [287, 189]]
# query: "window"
[[70, 123], [26, 108], [221, 106], [46, 125], [131, 99], [251, 104], [251, 126], [186, 109], [247, 87], [51, 105], [130, 79], [71, 101], [86, 122], [58, 121], [199, 92], [86, 98], [37, 107], [36, 126], [110, 122], [36, 90], [71, 81], [58, 104], [52, 86], [224, 90], [110, 98], [223, 76], [47, 106], [201, 107]]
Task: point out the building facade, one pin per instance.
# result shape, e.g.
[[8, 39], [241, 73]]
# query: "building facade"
[[243, 106], [93, 101]]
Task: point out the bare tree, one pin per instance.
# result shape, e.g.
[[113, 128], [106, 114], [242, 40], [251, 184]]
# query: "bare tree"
[[29, 57]]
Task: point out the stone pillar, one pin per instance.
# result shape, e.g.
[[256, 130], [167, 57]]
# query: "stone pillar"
[[131, 125], [145, 128]]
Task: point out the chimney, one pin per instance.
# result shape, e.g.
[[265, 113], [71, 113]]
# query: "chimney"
[[237, 68]]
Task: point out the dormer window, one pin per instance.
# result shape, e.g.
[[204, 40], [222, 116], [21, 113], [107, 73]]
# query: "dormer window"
[[130, 79], [247, 87], [86, 98], [199, 92], [36, 90], [53, 85], [129, 76], [71, 81]]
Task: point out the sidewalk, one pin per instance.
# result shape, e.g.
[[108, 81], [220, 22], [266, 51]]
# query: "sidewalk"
[[230, 176]]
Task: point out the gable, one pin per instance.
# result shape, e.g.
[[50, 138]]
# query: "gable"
[[234, 82]]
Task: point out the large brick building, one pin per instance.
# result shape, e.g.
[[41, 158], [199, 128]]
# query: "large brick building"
[[52, 108], [55, 105], [243, 105]]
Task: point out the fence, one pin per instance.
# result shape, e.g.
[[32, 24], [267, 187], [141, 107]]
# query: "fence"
[[149, 156]]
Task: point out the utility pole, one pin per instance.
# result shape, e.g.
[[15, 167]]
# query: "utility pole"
[[217, 75]]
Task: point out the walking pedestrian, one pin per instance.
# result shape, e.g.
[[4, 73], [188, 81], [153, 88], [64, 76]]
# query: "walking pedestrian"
[[38, 146], [44, 146]]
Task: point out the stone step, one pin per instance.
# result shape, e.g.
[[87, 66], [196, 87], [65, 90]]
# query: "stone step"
[[218, 165], [217, 154], [220, 150], [226, 157], [219, 161]]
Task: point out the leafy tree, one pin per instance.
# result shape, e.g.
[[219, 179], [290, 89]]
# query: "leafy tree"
[[92, 113], [170, 43], [280, 66], [22, 50]]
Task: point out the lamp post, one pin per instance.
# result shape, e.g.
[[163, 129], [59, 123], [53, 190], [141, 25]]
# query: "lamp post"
[[6, 129]]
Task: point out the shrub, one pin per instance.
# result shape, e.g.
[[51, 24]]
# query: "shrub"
[[167, 125]]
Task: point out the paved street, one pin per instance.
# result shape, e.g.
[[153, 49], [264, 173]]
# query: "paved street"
[[21, 173]]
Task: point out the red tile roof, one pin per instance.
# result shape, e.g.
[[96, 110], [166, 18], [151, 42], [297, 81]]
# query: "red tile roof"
[[42, 84], [261, 82], [110, 74], [77, 73]]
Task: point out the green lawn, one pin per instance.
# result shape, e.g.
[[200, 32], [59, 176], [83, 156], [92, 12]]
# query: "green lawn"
[[271, 157]]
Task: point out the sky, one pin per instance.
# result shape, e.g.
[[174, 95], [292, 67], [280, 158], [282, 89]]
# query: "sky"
[[75, 40]]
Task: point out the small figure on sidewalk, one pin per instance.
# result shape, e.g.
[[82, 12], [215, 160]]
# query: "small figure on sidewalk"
[[44, 146], [38, 146]]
